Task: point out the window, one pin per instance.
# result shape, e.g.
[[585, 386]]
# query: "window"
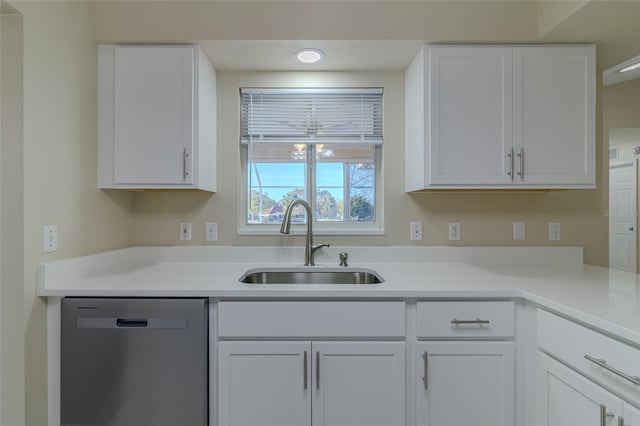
[[321, 145]]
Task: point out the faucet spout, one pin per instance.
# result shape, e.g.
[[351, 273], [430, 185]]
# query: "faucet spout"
[[285, 228]]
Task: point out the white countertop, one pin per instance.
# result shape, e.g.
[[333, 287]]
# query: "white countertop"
[[551, 277]]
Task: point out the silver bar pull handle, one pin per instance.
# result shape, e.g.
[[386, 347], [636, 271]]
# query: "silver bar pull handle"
[[318, 370], [603, 363], [604, 415], [185, 156], [620, 421], [478, 321], [521, 157], [425, 356], [510, 172], [304, 370]]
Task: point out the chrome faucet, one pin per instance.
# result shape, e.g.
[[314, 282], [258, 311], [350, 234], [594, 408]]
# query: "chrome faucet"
[[310, 249]]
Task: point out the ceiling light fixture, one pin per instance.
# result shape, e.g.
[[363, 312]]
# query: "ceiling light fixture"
[[630, 67], [309, 56]]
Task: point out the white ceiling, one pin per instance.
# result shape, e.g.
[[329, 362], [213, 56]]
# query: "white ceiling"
[[340, 55]]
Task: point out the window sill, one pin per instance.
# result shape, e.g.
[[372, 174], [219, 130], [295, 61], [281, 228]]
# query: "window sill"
[[317, 230]]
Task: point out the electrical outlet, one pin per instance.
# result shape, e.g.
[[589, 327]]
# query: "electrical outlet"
[[49, 238], [185, 231], [518, 231], [415, 229], [555, 231], [454, 231], [211, 231]]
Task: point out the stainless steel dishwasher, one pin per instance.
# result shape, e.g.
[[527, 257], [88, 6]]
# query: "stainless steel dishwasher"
[[134, 362]]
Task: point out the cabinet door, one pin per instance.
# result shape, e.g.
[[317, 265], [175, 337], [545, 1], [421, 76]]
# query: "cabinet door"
[[358, 384], [264, 384], [154, 102], [465, 384], [630, 416], [471, 106], [554, 115], [568, 399]]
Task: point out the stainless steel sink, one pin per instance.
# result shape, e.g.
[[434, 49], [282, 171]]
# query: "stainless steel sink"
[[311, 275]]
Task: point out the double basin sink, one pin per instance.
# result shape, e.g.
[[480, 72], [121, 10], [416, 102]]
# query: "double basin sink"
[[311, 275]]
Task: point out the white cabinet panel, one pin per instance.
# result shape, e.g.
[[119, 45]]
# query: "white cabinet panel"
[[554, 114], [302, 383], [471, 95], [311, 319], [263, 384], [156, 118], [153, 115], [573, 343], [500, 117], [630, 415], [568, 399], [456, 320], [359, 384], [465, 384]]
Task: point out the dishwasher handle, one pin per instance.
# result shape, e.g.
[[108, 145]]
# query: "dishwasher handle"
[[132, 322], [135, 323]]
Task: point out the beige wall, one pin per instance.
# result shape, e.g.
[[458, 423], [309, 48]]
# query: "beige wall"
[[486, 219], [621, 105], [444, 20], [12, 338], [552, 13], [60, 166]]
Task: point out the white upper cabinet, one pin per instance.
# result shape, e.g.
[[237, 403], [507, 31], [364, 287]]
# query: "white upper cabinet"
[[470, 106], [156, 118], [500, 117], [554, 115]]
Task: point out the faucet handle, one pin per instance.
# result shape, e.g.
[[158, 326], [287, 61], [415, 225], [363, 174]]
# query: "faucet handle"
[[319, 246], [343, 259]]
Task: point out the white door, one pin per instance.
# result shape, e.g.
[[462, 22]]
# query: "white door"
[[630, 415], [154, 105], [264, 383], [471, 107], [465, 384], [358, 384], [554, 115], [568, 399], [623, 216]]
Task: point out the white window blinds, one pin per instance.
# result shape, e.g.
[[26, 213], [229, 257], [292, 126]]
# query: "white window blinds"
[[311, 115]]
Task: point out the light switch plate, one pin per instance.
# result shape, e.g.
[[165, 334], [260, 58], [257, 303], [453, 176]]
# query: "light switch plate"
[[49, 238], [211, 231]]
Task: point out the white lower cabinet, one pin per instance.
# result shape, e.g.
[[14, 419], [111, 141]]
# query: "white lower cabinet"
[[311, 383], [264, 383], [569, 399], [630, 416], [465, 384]]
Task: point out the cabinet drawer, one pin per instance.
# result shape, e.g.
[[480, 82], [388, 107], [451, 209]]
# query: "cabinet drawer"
[[466, 319], [311, 319], [572, 343]]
